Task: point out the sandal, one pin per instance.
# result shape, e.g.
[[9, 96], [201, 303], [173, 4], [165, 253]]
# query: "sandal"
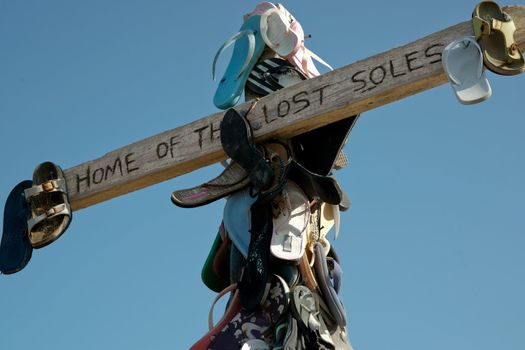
[[328, 291], [255, 324], [319, 156], [15, 248], [256, 277], [289, 225], [306, 310], [232, 310], [273, 74], [494, 29], [325, 188], [232, 179], [50, 210], [279, 34], [463, 65], [238, 142], [248, 48], [212, 275], [237, 219], [285, 36]]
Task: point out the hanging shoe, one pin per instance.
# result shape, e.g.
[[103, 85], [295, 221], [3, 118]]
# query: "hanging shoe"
[[49, 202], [463, 65], [248, 48], [494, 29], [238, 142], [15, 248], [232, 179]]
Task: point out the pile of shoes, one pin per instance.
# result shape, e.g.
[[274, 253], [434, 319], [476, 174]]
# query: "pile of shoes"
[[271, 255], [493, 47]]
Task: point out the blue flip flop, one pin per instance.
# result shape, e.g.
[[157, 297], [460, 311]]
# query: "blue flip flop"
[[248, 48], [237, 219], [15, 248]]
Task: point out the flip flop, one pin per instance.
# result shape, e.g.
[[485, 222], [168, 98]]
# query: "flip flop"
[[233, 178], [237, 219], [328, 291], [238, 142], [307, 273], [277, 31], [463, 65], [494, 29], [255, 280], [315, 186], [280, 334], [237, 263], [50, 210], [335, 273], [233, 308], [319, 156], [305, 309], [255, 324], [209, 274], [248, 48], [284, 35], [289, 227], [15, 248], [292, 339], [273, 74]]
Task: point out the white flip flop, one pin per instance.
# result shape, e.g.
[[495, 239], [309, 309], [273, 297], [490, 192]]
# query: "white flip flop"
[[463, 65], [289, 236]]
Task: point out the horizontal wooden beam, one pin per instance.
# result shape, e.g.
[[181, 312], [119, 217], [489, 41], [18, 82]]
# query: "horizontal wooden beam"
[[353, 89]]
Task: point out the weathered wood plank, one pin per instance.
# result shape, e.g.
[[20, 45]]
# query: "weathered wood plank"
[[355, 88]]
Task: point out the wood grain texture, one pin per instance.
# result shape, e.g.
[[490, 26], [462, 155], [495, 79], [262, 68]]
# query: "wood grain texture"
[[353, 89]]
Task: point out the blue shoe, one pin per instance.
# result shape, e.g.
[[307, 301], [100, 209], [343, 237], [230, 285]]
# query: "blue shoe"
[[249, 47], [237, 219], [15, 249]]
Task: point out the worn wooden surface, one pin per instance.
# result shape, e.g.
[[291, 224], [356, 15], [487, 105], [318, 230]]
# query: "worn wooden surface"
[[355, 88]]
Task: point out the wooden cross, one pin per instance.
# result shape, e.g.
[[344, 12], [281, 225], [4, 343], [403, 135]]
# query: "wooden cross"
[[353, 89]]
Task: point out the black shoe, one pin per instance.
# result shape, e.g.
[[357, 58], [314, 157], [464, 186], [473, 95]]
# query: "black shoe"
[[238, 143], [317, 150], [256, 276], [325, 188]]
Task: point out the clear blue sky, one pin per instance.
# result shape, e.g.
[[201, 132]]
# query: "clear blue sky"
[[433, 248]]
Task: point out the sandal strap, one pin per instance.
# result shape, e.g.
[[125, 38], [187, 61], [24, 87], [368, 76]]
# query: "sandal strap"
[[57, 185], [251, 49], [480, 26], [226, 290], [60, 209], [483, 27], [311, 54]]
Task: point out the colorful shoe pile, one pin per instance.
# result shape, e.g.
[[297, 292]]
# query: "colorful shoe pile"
[[271, 254]]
